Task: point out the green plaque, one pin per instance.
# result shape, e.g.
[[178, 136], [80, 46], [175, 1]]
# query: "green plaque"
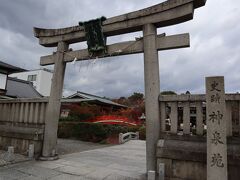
[[96, 40]]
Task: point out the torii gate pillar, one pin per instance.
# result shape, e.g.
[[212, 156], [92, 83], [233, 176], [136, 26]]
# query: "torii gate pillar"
[[152, 90], [50, 134]]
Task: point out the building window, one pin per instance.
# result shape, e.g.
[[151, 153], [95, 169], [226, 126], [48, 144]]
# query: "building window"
[[32, 77]]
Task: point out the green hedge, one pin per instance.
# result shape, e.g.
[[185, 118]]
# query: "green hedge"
[[91, 131], [142, 133], [76, 118]]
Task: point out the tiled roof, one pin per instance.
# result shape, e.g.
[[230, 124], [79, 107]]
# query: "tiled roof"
[[90, 97], [21, 89], [10, 68], [5, 97]]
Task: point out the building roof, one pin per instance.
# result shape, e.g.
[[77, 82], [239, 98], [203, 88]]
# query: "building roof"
[[41, 69], [5, 97], [10, 68], [18, 88], [83, 97]]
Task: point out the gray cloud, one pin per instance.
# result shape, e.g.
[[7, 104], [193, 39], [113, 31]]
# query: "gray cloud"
[[214, 31]]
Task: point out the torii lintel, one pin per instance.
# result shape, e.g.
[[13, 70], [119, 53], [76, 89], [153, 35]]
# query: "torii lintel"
[[164, 14], [124, 48]]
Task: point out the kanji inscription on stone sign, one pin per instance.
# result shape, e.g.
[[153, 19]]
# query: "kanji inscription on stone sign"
[[217, 139], [216, 117], [216, 129], [214, 86], [215, 98], [217, 160]]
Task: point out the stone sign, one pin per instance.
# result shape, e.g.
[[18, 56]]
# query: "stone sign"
[[216, 129]]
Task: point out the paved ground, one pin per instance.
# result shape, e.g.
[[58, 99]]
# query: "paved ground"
[[68, 146], [65, 146], [120, 162]]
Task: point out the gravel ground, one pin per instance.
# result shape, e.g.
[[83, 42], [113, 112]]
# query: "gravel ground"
[[5, 159], [68, 146]]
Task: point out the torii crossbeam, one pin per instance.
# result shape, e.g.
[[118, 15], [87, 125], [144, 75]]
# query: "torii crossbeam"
[[168, 13]]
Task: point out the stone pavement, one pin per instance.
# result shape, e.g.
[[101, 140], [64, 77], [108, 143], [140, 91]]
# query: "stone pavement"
[[68, 146], [65, 146], [120, 162]]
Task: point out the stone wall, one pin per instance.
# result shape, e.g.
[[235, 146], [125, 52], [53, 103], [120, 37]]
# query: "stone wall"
[[22, 122], [20, 145], [185, 157]]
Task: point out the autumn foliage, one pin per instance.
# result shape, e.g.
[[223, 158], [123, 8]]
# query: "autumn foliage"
[[85, 112]]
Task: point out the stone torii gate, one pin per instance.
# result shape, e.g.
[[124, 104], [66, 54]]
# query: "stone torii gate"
[[168, 13]]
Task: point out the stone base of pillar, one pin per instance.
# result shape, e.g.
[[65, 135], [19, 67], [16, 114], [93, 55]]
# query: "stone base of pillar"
[[51, 158]]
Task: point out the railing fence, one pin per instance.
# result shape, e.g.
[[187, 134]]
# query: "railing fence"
[[186, 114]]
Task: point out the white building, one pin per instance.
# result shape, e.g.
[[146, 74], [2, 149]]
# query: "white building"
[[41, 79], [3, 81]]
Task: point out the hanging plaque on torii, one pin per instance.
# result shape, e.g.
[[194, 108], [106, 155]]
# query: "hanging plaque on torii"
[[96, 40], [168, 13]]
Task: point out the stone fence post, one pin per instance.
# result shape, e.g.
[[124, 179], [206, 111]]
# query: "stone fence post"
[[120, 138], [137, 136]]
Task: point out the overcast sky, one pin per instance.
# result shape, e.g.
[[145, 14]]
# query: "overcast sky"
[[214, 32]]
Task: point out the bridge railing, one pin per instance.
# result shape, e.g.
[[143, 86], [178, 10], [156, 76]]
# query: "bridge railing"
[[128, 136], [22, 123], [186, 114]]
